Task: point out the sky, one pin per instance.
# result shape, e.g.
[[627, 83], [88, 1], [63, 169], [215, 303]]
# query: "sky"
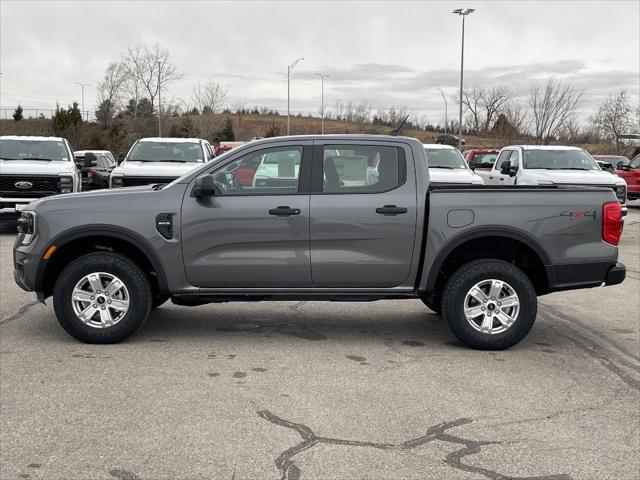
[[387, 54]]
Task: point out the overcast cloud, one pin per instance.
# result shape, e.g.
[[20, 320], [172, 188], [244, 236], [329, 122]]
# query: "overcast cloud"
[[385, 54]]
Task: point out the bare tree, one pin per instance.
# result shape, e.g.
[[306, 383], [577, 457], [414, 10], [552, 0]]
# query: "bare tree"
[[110, 91], [516, 114], [149, 69], [614, 116], [208, 97], [492, 100], [472, 101], [552, 104]]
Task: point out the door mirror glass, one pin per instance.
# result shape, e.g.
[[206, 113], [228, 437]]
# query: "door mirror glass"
[[205, 187], [121, 158]]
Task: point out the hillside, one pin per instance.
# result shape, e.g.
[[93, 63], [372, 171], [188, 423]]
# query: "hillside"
[[119, 137]]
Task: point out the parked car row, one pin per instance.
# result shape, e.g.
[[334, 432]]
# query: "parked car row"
[[36, 167]]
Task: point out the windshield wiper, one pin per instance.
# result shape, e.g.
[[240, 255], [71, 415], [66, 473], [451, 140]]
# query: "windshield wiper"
[[442, 166]]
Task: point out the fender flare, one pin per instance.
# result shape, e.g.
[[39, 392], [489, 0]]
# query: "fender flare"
[[113, 231], [455, 242]]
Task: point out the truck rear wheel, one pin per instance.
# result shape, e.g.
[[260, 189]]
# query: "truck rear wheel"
[[102, 297], [489, 304]]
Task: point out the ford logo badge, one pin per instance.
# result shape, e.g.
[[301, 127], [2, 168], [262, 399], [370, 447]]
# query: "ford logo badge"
[[23, 185]]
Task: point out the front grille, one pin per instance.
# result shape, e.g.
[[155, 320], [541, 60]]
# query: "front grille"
[[138, 181], [41, 186]]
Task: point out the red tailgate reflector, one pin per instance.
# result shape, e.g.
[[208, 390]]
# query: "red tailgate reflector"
[[612, 222]]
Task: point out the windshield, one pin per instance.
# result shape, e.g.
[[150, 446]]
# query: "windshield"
[[558, 160], [54, 150], [444, 158], [485, 159], [166, 152]]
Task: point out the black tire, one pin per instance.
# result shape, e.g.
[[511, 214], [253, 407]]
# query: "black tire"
[[136, 282], [469, 275], [436, 308]]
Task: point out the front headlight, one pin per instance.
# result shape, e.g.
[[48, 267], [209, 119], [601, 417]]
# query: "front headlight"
[[65, 184], [26, 227], [117, 181]]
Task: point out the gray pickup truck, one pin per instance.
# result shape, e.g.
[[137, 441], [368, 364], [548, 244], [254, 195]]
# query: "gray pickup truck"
[[344, 218]]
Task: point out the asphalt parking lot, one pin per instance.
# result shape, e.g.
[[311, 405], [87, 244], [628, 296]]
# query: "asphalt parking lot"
[[324, 390]]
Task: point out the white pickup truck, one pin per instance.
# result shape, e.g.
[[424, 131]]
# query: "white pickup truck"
[[32, 168], [448, 166], [551, 165], [160, 160]]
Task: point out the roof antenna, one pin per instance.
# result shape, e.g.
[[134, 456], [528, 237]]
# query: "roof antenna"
[[396, 131]]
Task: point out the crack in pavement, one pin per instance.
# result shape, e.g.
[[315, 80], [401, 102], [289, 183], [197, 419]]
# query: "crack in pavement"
[[290, 471], [21, 311]]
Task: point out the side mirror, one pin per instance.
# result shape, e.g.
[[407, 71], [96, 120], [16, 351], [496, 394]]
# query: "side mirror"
[[505, 168], [204, 186], [90, 160], [121, 158]]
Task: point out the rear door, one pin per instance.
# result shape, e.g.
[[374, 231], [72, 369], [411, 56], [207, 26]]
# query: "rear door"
[[363, 214], [253, 235]]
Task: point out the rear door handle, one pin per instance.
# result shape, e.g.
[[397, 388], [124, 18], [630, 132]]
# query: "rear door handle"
[[284, 211], [391, 210]]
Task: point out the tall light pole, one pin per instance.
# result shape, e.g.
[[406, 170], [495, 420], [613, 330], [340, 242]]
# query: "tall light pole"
[[463, 12], [289, 69], [159, 102], [446, 114], [322, 77], [83, 85]]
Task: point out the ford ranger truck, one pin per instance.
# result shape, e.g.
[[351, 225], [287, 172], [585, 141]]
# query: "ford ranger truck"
[[361, 222], [552, 165], [32, 168], [160, 160]]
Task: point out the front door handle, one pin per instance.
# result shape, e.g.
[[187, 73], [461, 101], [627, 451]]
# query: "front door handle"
[[284, 211], [391, 210]]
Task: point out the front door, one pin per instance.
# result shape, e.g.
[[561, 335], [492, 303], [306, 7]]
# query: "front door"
[[363, 215], [253, 234]]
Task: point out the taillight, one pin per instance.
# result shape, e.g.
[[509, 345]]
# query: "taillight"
[[89, 173], [612, 222]]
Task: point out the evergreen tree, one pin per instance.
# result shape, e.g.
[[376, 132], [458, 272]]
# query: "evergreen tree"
[[226, 134], [17, 114]]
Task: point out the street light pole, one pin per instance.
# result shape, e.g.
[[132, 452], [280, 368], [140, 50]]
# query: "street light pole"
[[289, 69], [463, 12], [322, 77], [159, 102], [446, 114], [84, 85]]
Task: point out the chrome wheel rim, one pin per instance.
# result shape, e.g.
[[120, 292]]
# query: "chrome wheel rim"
[[491, 306], [100, 300]]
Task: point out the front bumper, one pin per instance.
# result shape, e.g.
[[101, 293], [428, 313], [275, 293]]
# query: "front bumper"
[[11, 207]]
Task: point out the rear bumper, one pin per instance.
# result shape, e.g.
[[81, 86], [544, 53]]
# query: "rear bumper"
[[585, 275], [616, 274]]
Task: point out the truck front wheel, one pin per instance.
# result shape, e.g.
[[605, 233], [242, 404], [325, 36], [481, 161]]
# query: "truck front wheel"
[[102, 297], [489, 304]]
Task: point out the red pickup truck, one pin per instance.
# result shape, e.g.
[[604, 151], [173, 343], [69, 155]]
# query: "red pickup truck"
[[631, 175], [481, 158]]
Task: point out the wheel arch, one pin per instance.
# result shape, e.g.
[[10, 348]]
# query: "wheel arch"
[[79, 241], [502, 243]]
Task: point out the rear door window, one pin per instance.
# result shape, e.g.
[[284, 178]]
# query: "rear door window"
[[361, 168]]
